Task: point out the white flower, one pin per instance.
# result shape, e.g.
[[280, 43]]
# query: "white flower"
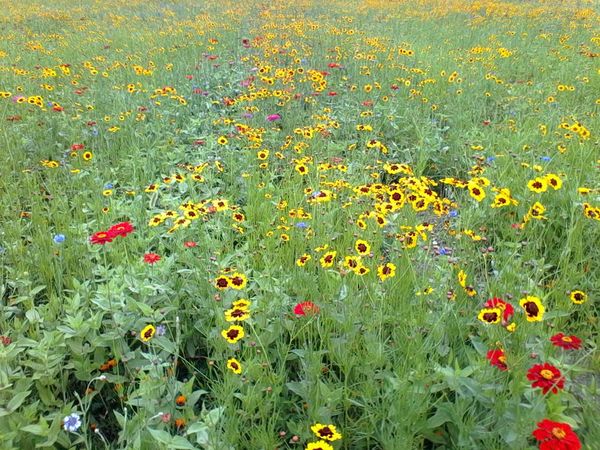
[[72, 423]]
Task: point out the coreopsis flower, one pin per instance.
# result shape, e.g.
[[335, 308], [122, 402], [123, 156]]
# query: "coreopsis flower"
[[387, 270], [534, 310], [327, 432], [234, 365], [237, 314], [497, 358], [233, 334], [547, 377], [566, 342], [306, 308], [538, 185], [303, 259], [556, 436], [238, 281], [490, 315], [242, 303], [507, 308], [362, 247], [147, 333], [578, 297], [222, 282], [320, 445], [328, 259]]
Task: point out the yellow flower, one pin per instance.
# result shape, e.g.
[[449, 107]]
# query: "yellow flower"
[[578, 297], [386, 271], [320, 445], [328, 259], [233, 334], [234, 365], [222, 140], [147, 333], [327, 432], [362, 247], [538, 185], [533, 307]]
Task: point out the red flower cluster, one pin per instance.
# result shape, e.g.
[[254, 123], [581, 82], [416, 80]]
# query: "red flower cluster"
[[567, 342], [547, 377], [120, 229], [556, 436]]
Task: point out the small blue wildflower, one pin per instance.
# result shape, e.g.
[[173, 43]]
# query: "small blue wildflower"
[[546, 158], [161, 330], [453, 213], [108, 186], [59, 238], [302, 225], [72, 422], [491, 159], [315, 194]]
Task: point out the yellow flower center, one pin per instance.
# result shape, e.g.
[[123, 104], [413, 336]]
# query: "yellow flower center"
[[547, 374], [567, 339], [558, 433]]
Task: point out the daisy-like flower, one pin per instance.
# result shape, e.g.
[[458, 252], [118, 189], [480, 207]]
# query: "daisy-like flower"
[[534, 310], [507, 308], [476, 191], [578, 297], [233, 334], [327, 432], [497, 358], [151, 258], [242, 303], [328, 259], [121, 229], [556, 436], [302, 260], [320, 445], [388, 270], [490, 315], [538, 185], [222, 282], [566, 342], [237, 314], [147, 333], [72, 423], [547, 377], [234, 365], [362, 247], [101, 238], [238, 281]]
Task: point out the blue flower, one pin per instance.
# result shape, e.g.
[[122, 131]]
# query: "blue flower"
[[545, 158], [59, 238], [302, 225], [453, 213], [72, 422], [108, 186], [161, 330]]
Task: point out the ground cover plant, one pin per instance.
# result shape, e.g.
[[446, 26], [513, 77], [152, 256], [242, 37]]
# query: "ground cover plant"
[[299, 224]]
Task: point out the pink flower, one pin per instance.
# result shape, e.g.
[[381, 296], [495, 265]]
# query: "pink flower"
[[190, 244], [151, 258], [273, 117]]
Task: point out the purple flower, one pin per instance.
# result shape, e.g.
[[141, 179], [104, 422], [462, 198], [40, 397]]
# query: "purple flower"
[[161, 330], [273, 117]]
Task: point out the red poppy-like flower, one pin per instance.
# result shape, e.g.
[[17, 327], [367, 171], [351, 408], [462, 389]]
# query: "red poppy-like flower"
[[497, 358], [76, 147], [121, 229], [556, 436], [507, 309], [567, 342], [151, 258], [190, 244], [547, 377], [306, 308], [101, 237]]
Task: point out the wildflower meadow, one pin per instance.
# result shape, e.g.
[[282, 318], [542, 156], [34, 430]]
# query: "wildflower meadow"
[[299, 224]]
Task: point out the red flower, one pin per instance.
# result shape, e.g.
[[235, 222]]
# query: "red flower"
[[567, 342], [151, 258], [121, 229], [101, 237], [304, 308], [497, 359], [507, 309], [76, 147], [547, 377], [190, 244], [556, 436]]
